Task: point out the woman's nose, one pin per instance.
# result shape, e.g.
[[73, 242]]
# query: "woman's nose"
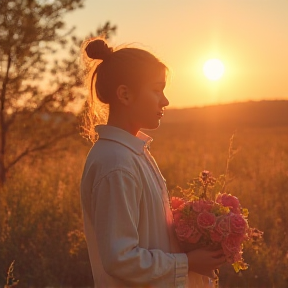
[[165, 101]]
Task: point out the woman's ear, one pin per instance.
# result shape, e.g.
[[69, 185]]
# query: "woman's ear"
[[124, 94]]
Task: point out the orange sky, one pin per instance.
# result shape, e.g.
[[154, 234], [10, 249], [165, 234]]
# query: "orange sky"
[[249, 36]]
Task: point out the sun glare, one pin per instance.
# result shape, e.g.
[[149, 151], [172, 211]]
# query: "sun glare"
[[213, 69]]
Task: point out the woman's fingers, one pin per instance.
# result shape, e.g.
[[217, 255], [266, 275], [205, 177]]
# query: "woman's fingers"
[[204, 261], [212, 274]]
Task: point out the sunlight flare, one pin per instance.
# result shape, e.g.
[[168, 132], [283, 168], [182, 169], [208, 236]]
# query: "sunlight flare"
[[213, 69]]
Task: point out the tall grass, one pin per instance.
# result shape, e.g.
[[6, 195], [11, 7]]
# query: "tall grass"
[[260, 171], [40, 214]]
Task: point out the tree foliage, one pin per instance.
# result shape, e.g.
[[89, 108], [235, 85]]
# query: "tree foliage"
[[30, 31], [39, 75]]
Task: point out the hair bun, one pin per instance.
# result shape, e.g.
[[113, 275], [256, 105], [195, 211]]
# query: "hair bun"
[[98, 49]]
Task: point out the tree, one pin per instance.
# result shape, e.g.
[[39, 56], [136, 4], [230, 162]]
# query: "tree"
[[33, 82], [30, 30], [106, 30]]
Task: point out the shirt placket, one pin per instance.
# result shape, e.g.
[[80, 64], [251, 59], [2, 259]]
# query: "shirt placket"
[[165, 200], [159, 178]]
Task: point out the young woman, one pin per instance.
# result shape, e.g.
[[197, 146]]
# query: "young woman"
[[127, 218]]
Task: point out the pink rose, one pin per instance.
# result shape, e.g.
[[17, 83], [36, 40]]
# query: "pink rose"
[[223, 225], [196, 205], [195, 236], [230, 201], [216, 236], [176, 202], [232, 248], [201, 205], [187, 232], [208, 205], [183, 230], [238, 224], [206, 220]]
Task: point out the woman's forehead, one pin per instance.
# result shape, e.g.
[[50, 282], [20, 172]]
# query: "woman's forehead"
[[159, 77]]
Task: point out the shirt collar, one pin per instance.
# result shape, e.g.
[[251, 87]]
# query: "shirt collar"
[[135, 143]]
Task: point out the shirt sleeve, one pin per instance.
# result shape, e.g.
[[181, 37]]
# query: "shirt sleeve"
[[116, 200]]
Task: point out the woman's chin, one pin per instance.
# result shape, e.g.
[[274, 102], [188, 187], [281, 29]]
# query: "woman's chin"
[[152, 126]]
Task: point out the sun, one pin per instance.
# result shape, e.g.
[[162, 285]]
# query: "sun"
[[213, 69]]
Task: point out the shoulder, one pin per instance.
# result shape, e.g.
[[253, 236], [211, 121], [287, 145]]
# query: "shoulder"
[[108, 156], [111, 153]]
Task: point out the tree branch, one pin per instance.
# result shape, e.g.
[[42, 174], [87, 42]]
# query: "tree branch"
[[44, 146]]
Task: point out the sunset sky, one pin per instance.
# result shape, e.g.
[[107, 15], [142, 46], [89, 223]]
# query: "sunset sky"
[[250, 37]]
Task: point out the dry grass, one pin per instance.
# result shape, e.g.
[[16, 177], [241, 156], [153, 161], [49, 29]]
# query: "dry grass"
[[40, 215]]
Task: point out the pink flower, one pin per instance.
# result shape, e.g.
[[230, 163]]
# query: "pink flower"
[[223, 225], [232, 248], [195, 235], [196, 205], [215, 236], [183, 230], [201, 205], [206, 220], [238, 224], [208, 205], [187, 232], [230, 201], [176, 202]]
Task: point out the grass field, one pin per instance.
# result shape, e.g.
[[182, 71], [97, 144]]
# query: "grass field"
[[40, 215], [260, 180]]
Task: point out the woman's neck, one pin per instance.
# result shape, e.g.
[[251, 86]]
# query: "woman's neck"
[[122, 122]]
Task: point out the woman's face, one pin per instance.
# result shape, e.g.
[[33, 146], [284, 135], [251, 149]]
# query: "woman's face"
[[147, 107]]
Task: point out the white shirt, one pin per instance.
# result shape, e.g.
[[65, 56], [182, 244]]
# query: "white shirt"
[[127, 218]]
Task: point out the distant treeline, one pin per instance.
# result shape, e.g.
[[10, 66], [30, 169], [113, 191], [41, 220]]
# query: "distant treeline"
[[262, 113]]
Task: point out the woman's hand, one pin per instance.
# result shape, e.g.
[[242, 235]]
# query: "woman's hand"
[[204, 261], [187, 247]]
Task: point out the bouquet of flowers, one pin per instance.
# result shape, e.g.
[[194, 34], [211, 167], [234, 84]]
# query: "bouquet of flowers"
[[201, 221]]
